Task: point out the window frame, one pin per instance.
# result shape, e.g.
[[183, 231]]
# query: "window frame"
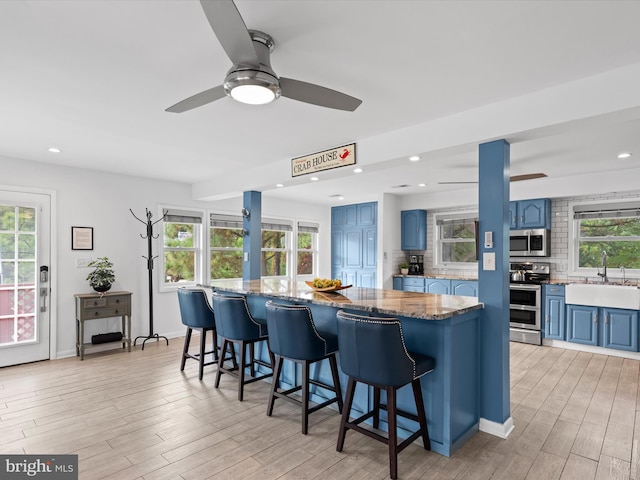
[[233, 222], [198, 241], [305, 227], [575, 240], [280, 225], [438, 241]]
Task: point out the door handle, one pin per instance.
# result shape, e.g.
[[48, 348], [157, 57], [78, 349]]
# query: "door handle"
[[44, 291], [595, 317]]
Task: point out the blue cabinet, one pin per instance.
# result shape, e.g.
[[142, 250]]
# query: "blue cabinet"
[[413, 230], [465, 288], [413, 284], [354, 244], [534, 213], [443, 286], [606, 327], [434, 285], [620, 329], [582, 324], [554, 312]]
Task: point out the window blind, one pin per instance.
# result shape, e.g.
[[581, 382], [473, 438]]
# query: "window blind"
[[308, 227], [225, 221], [279, 225], [182, 216], [611, 210]]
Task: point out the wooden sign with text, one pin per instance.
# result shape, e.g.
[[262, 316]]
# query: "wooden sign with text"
[[326, 160]]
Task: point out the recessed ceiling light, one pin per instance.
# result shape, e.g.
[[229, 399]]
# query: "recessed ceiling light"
[[279, 185], [422, 184], [54, 150], [414, 158], [357, 170], [314, 179], [624, 155]]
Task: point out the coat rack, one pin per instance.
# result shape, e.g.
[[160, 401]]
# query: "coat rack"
[[150, 259]]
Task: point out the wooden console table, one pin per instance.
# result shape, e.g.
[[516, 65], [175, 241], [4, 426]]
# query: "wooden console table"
[[92, 306]]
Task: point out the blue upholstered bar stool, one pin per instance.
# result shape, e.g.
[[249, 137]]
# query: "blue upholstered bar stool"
[[293, 336], [373, 351], [235, 324], [196, 314]]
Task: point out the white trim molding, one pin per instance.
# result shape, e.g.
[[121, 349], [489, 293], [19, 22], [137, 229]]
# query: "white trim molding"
[[502, 430]]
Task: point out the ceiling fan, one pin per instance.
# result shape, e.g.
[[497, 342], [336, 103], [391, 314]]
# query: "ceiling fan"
[[515, 178], [251, 78]]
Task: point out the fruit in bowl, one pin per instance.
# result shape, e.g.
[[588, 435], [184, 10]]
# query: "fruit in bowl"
[[326, 283]]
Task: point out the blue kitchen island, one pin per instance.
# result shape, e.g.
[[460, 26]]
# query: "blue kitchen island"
[[446, 327]]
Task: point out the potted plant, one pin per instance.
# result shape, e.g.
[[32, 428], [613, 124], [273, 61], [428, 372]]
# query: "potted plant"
[[102, 277], [404, 268]]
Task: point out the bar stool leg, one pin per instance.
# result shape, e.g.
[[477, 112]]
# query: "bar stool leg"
[[203, 344], [215, 345], [351, 388], [225, 344], [185, 350], [336, 380], [305, 396], [393, 432], [376, 407], [275, 384], [243, 364], [422, 418]]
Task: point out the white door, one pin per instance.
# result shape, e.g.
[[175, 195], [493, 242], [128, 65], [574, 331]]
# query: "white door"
[[24, 277]]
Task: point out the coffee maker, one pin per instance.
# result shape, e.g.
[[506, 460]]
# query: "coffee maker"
[[416, 265]]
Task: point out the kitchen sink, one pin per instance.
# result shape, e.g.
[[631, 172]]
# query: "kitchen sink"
[[614, 296]]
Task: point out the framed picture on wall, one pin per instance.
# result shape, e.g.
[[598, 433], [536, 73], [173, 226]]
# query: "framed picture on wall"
[[81, 238]]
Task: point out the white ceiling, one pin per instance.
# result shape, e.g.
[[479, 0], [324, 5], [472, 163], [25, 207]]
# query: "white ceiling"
[[557, 79]]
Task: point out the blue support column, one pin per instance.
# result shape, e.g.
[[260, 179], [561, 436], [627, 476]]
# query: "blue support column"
[[252, 245], [493, 285]]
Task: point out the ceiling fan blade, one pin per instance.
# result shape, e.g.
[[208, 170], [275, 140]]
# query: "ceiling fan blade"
[[515, 178], [197, 100], [453, 183], [232, 33], [317, 95], [527, 176]]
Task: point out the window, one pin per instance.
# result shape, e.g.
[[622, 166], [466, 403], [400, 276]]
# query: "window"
[[226, 242], [276, 248], [613, 228], [307, 249], [181, 247], [456, 239]]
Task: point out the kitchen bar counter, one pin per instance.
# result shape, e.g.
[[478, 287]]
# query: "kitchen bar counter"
[[370, 300], [444, 276], [446, 327]]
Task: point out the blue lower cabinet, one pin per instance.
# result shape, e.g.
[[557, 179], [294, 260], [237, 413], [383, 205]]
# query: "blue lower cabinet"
[[413, 284], [553, 314], [620, 329], [554, 319], [605, 327], [465, 288], [582, 324], [397, 283], [440, 286]]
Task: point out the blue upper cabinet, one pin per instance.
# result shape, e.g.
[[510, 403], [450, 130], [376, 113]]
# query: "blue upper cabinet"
[[413, 230], [534, 213]]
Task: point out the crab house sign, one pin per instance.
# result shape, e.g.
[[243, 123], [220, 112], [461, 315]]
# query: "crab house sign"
[[317, 162]]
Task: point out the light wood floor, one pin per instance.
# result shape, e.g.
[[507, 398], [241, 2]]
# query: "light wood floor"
[[135, 416]]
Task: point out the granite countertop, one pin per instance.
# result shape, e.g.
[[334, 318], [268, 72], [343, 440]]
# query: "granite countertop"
[[428, 306]]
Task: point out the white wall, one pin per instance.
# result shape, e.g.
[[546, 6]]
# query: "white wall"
[[102, 200]]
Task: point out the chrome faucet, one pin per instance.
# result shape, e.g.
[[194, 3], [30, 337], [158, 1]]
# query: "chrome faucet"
[[604, 268]]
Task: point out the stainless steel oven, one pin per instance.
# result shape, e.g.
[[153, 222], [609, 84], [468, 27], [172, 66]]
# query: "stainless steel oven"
[[525, 301]]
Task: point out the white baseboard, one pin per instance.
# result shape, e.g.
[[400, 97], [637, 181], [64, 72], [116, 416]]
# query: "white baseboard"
[[502, 430]]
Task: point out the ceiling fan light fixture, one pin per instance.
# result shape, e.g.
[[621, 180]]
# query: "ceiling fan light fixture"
[[252, 87]]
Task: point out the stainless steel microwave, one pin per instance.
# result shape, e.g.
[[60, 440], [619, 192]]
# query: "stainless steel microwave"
[[530, 243]]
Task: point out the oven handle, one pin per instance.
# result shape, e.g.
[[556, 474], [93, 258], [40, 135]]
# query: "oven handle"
[[524, 307], [520, 286]]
